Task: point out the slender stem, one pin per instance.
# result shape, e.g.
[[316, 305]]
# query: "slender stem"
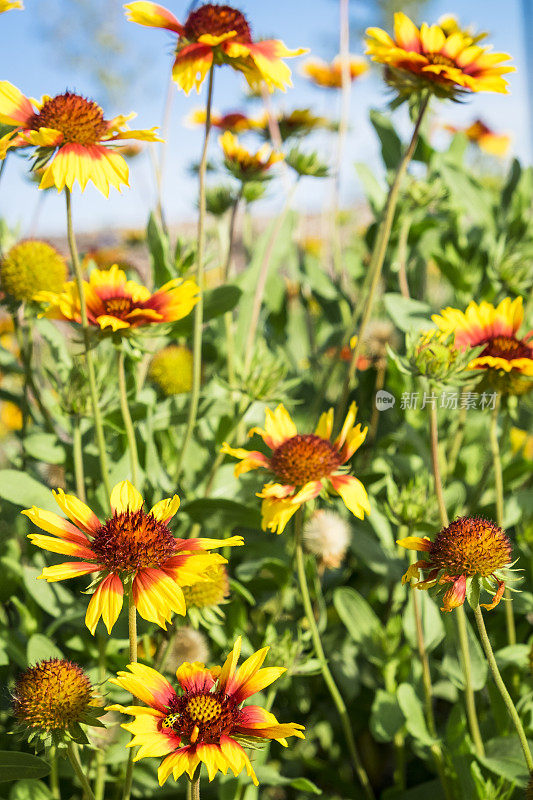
[[54, 778], [498, 680], [76, 766], [366, 302], [195, 784], [100, 781], [88, 352], [132, 630], [24, 336], [403, 238], [460, 612], [126, 416], [77, 457], [262, 279], [498, 487], [199, 308], [381, 370], [326, 673]]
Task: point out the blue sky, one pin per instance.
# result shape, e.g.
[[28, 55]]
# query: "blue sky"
[[31, 60]]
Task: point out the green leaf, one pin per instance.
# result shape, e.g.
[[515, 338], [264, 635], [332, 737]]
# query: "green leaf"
[[30, 790], [431, 618], [13, 765], [40, 647], [216, 302], [391, 145], [406, 313], [450, 664], [51, 597], [359, 618], [505, 758], [231, 511], [414, 715], [24, 491], [159, 252], [44, 447], [269, 776], [386, 718], [515, 655]]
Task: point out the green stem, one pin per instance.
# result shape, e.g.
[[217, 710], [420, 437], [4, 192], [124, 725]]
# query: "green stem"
[[77, 456], [366, 302], [100, 781], [54, 778], [403, 238], [498, 487], [457, 441], [195, 784], [132, 631], [471, 712], [262, 279], [199, 308], [126, 416], [326, 673], [24, 336], [98, 424], [498, 680], [76, 766]]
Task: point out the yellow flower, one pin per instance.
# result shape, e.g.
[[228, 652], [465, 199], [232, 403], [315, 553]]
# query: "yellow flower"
[[446, 61], [468, 548], [210, 592], [506, 359], [171, 369], [132, 545], [329, 76], [215, 35], [32, 266], [496, 144], [204, 722], [234, 121], [10, 417], [246, 166], [9, 5], [71, 132], [522, 441], [303, 465], [114, 302]]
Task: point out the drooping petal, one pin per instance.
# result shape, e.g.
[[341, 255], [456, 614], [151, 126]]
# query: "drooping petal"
[[353, 493], [250, 459], [191, 66], [183, 760], [237, 758], [455, 595], [157, 596], [70, 569], [497, 597], [106, 602], [213, 758]]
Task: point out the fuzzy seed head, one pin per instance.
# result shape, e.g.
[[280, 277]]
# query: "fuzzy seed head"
[[470, 546], [189, 646], [171, 369], [30, 267], [327, 536], [80, 120], [52, 695]]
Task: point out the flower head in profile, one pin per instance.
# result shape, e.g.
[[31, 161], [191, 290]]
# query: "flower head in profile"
[[329, 76], [9, 5], [469, 549], [204, 720], [112, 301], [133, 547], [446, 61], [213, 35], [303, 465], [506, 359], [496, 144], [31, 266], [244, 165], [295, 124], [70, 137], [51, 698], [233, 121]]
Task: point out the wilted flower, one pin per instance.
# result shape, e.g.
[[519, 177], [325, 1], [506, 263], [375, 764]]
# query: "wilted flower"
[[469, 549], [244, 165], [134, 546], [71, 137], [52, 698], [113, 301], [327, 535], [233, 121], [205, 721], [171, 369], [32, 266], [506, 360], [497, 144], [216, 35], [212, 591], [308, 164], [304, 465], [329, 76], [431, 58]]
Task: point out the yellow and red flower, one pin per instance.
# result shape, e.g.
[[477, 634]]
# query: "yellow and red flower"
[[506, 359], [496, 144], [296, 123], [213, 35], [233, 121], [246, 166], [204, 722], [71, 138], [468, 549], [446, 61], [329, 76], [113, 301], [134, 546], [303, 465], [9, 5]]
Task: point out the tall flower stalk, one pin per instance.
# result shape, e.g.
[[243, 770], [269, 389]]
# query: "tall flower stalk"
[[98, 424], [126, 416], [132, 635], [199, 309]]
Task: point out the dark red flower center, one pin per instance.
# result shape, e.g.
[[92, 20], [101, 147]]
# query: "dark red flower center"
[[440, 58], [118, 306], [78, 119], [304, 458], [202, 717], [133, 540], [229, 121], [217, 20], [470, 546], [506, 347]]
